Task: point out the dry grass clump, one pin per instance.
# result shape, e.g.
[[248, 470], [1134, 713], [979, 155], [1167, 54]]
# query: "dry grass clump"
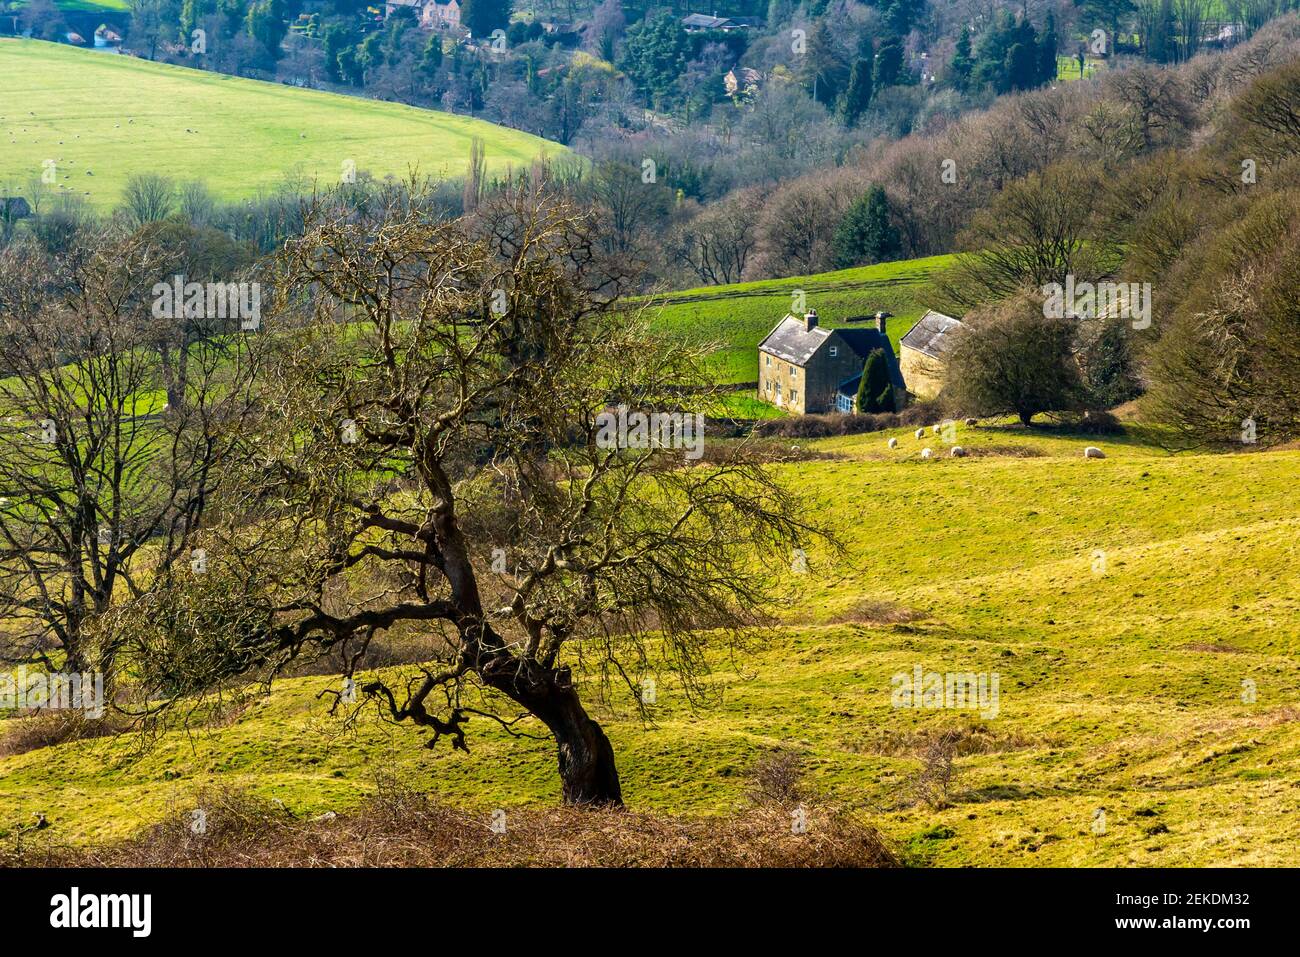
[[869, 612], [45, 729], [965, 739], [400, 828]]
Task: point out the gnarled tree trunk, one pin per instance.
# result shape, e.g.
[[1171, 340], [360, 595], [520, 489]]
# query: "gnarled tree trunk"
[[587, 767], [588, 773]]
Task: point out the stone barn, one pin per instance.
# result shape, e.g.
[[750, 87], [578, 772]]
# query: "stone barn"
[[921, 353]]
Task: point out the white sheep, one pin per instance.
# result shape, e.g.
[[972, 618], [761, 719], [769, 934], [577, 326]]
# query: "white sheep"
[[935, 428], [893, 443], [957, 451], [926, 453], [920, 433], [1092, 452], [972, 421]]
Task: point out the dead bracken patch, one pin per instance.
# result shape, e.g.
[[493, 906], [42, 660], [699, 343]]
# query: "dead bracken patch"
[[400, 828], [765, 452], [1220, 647], [868, 612], [45, 729], [1004, 451], [975, 738]]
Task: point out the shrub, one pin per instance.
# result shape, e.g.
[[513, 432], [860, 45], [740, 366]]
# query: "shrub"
[[1010, 358]]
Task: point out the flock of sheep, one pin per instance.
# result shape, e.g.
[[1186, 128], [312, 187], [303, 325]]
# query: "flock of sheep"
[[957, 451]]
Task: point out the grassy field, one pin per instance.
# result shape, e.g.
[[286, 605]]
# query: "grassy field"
[[102, 117], [91, 6], [1123, 603], [737, 317], [1067, 67]]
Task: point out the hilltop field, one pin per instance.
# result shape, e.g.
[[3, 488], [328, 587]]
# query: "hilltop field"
[[102, 117], [1139, 611]]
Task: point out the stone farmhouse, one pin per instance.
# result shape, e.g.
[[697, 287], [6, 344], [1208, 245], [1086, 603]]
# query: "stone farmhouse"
[[807, 368]]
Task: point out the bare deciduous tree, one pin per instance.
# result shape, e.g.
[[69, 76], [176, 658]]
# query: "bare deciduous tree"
[[428, 460], [1038, 230], [100, 487], [717, 244]]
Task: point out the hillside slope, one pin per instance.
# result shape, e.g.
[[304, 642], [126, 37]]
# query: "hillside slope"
[[1121, 674], [102, 117]]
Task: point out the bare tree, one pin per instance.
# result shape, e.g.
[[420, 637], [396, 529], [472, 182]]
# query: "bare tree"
[[430, 460], [148, 198], [1265, 118], [1036, 231], [1012, 358], [630, 201], [100, 488], [717, 244]]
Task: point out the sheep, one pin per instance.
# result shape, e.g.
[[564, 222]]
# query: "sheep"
[[935, 428], [1092, 452], [920, 433], [957, 451], [972, 421], [926, 453], [893, 443]]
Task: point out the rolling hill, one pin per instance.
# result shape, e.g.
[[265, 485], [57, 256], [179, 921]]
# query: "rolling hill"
[[1121, 681], [102, 117]]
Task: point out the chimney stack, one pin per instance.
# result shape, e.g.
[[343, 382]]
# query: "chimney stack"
[[881, 319], [810, 320]]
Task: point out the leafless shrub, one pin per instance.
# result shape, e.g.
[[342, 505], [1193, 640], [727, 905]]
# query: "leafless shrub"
[[869, 612], [777, 779], [933, 785], [967, 739]]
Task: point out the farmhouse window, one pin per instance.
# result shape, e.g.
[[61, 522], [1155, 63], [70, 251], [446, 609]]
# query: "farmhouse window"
[[835, 350]]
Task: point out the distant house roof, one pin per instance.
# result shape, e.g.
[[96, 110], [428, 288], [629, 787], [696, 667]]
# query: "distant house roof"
[[793, 342], [14, 207], [929, 335], [702, 21]]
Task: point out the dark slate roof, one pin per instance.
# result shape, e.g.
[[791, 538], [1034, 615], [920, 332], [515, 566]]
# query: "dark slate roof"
[[703, 20], [929, 334], [791, 341], [866, 341], [850, 386]]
